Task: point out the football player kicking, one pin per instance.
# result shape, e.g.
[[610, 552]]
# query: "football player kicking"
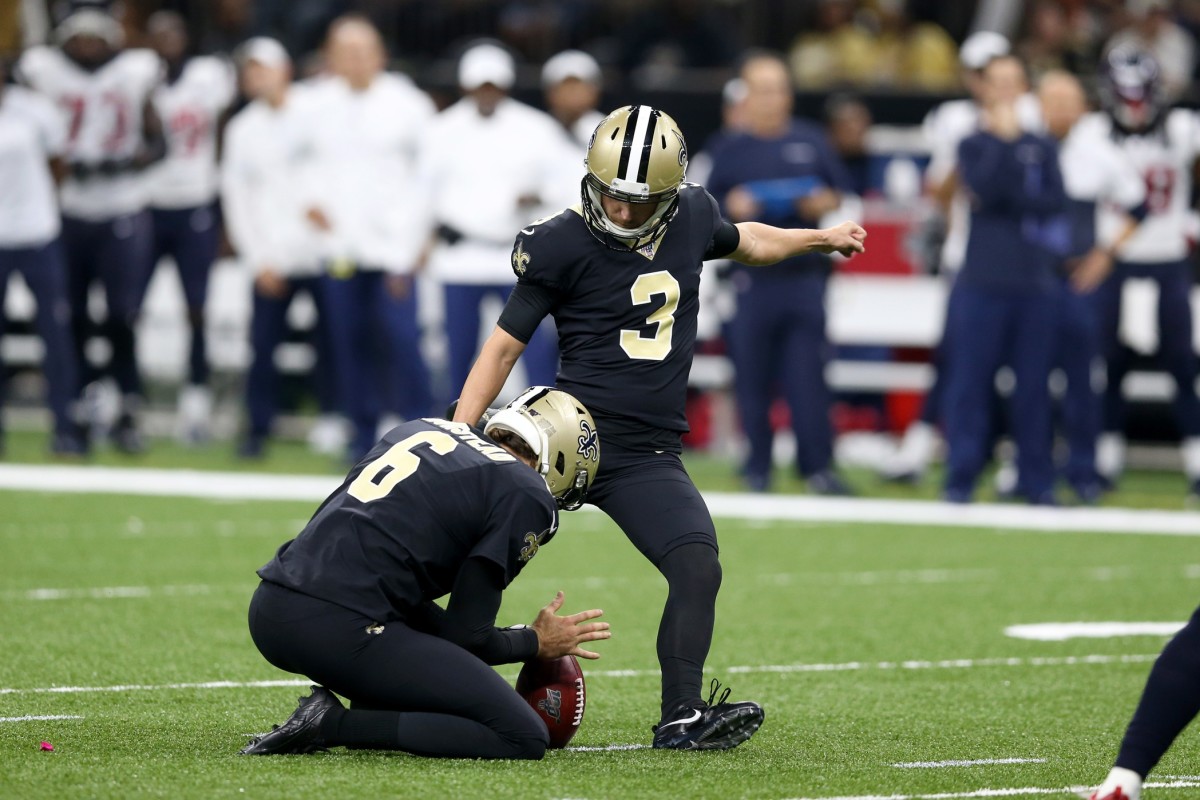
[[620, 274], [436, 507], [1169, 702]]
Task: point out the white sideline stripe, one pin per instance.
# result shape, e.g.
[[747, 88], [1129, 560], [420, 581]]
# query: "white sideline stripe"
[[1027, 790], [851, 666], [1062, 631], [314, 488], [606, 748], [37, 718], [971, 763]]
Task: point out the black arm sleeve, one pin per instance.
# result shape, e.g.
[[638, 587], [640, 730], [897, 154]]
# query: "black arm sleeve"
[[470, 619], [724, 241], [527, 306]]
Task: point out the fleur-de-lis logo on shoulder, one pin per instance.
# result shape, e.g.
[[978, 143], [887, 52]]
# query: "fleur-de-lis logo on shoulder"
[[588, 441], [520, 259], [531, 547]]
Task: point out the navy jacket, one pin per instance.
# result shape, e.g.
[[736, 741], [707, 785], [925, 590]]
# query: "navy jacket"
[[777, 171], [1019, 228]]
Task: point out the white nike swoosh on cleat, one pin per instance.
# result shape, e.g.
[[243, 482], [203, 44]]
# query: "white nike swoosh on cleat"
[[685, 721], [527, 231]]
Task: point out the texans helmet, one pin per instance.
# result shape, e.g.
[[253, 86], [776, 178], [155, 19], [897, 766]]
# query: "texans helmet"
[[1131, 88], [637, 154]]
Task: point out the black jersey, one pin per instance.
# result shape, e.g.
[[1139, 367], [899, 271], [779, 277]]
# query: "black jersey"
[[431, 495], [626, 319]]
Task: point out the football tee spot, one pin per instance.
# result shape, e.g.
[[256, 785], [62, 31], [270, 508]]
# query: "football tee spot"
[[1062, 631]]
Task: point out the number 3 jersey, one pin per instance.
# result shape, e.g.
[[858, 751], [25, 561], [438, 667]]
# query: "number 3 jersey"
[[104, 109], [429, 496], [626, 319], [1163, 157]]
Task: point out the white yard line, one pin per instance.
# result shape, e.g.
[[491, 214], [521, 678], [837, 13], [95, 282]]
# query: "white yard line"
[[39, 718], [1021, 792], [608, 748], [313, 488], [972, 763], [121, 592], [850, 666]]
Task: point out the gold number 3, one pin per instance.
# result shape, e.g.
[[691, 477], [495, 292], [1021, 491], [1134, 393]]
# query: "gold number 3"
[[643, 290], [373, 482]]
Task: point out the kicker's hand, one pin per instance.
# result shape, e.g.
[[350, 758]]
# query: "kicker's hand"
[[845, 239], [561, 636]]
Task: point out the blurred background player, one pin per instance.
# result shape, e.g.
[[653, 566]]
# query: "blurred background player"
[[1095, 174], [113, 135], [1003, 308], [191, 102], [267, 153], [783, 172], [363, 202], [944, 129], [1163, 145], [490, 165], [571, 83], [32, 136], [1169, 702]]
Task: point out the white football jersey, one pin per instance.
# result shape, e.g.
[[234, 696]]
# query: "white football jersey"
[[190, 108], [104, 122], [1095, 169], [945, 127], [32, 131], [1164, 160]]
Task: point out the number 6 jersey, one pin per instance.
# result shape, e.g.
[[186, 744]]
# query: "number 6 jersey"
[[1163, 156], [104, 122], [626, 319]]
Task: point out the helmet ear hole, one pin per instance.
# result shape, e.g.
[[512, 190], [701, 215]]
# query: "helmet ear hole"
[[560, 464]]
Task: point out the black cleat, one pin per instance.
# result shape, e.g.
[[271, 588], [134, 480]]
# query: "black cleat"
[[302, 731], [709, 727]]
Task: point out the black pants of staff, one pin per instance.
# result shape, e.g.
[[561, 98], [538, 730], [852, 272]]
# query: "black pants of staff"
[[408, 690]]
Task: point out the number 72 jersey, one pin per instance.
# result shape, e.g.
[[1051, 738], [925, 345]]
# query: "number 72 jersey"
[[626, 319], [1164, 158]]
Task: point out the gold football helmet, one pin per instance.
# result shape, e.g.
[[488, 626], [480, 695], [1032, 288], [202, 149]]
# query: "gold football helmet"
[[637, 154], [562, 435]]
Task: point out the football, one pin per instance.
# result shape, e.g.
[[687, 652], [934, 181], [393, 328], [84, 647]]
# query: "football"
[[555, 691]]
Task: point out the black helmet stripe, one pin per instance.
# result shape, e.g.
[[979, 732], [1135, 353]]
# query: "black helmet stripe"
[[647, 146], [627, 142], [637, 145]]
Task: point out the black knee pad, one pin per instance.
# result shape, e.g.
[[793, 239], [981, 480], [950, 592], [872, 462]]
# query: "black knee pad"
[[692, 567]]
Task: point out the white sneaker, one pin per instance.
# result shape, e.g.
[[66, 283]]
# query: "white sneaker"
[[1110, 456], [328, 435], [1121, 784], [914, 455], [193, 415]]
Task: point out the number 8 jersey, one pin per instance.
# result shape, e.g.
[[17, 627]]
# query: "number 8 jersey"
[[626, 318], [1163, 156], [104, 122]]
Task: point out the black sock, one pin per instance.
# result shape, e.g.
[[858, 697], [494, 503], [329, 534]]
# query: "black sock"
[[374, 730], [693, 576], [1169, 702]]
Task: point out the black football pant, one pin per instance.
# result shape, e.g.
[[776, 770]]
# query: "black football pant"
[[1169, 702], [408, 690], [652, 498]]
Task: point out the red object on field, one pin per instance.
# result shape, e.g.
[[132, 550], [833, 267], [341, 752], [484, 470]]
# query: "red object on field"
[[554, 689], [47, 747]]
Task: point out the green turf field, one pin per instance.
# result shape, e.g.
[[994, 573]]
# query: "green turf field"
[[152, 592]]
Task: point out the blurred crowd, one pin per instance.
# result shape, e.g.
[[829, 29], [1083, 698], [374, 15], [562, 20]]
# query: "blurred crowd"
[[291, 135]]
